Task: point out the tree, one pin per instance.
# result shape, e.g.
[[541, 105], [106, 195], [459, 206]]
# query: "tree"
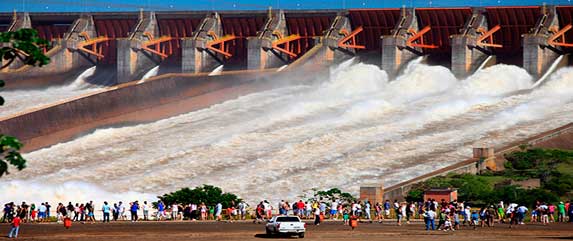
[[24, 45], [210, 195], [333, 194]]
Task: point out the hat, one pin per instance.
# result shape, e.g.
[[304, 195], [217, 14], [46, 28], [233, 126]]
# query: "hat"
[[561, 202]]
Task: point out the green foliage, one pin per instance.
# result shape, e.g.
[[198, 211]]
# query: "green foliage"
[[415, 195], [9, 151], [28, 47], [333, 194], [25, 45], [208, 194]]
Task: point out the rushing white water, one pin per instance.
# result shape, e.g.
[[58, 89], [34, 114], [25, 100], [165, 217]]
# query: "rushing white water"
[[23, 100], [151, 73], [356, 128], [217, 71]]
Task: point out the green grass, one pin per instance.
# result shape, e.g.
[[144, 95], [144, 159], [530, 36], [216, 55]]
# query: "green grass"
[[565, 168]]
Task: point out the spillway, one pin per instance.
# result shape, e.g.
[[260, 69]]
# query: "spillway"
[[358, 127], [25, 100]]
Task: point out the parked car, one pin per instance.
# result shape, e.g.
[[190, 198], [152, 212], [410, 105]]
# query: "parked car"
[[286, 225]]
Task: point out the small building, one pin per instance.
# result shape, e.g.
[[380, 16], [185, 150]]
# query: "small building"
[[448, 194]]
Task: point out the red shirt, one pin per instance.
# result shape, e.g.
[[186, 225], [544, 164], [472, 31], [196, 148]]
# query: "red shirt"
[[300, 205], [16, 222]]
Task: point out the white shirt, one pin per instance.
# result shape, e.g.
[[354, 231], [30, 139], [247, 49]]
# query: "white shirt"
[[308, 206], [334, 205], [174, 208], [145, 207], [42, 209]]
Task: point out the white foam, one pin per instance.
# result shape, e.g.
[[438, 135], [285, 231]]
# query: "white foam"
[[151, 73], [358, 127], [20, 100]]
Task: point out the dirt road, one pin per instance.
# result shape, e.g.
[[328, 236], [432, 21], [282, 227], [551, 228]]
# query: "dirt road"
[[242, 231]]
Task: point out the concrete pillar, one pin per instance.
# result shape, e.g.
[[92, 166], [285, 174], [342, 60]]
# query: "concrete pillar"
[[334, 34], [64, 55], [132, 61], [486, 158], [196, 57], [20, 21], [261, 54], [395, 53], [538, 55], [373, 193], [467, 55]]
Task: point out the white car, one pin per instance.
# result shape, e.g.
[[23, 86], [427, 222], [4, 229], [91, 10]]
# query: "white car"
[[286, 225]]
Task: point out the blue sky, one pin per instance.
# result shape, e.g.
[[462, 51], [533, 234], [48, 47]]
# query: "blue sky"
[[135, 5]]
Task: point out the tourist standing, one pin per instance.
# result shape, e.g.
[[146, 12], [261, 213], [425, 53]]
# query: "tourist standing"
[[218, 211], [106, 209], [145, 211], [430, 217], [317, 216], [561, 212], [160, 210], [134, 208], [15, 227]]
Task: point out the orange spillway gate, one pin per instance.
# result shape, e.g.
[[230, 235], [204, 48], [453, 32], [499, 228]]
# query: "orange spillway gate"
[[286, 43], [486, 40], [349, 41], [93, 43], [417, 39], [154, 45], [558, 39], [218, 44]]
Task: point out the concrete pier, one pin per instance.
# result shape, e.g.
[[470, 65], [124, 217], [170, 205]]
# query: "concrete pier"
[[395, 51], [132, 60], [261, 54], [336, 49], [469, 53], [538, 53], [196, 57]]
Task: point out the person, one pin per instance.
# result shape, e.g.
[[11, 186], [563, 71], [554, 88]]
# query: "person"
[[42, 212], [211, 213], [160, 210], [386, 209], [134, 208], [115, 212], [145, 208], [121, 207], [430, 217], [106, 209], [174, 211], [33, 212], [218, 211], [317, 216], [48, 206], [561, 212], [333, 209], [570, 210], [77, 212], [71, 209], [448, 224], [346, 217], [367, 211], [15, 227], [474, 219]]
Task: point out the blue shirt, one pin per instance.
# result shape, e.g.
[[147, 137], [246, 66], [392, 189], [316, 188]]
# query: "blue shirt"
[[160, 207], [105, 208]]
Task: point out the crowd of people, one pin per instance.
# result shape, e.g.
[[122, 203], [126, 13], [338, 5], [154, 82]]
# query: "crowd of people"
[[449, 215]]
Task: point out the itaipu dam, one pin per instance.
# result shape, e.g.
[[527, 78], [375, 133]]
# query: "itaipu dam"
[[273, 104]]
